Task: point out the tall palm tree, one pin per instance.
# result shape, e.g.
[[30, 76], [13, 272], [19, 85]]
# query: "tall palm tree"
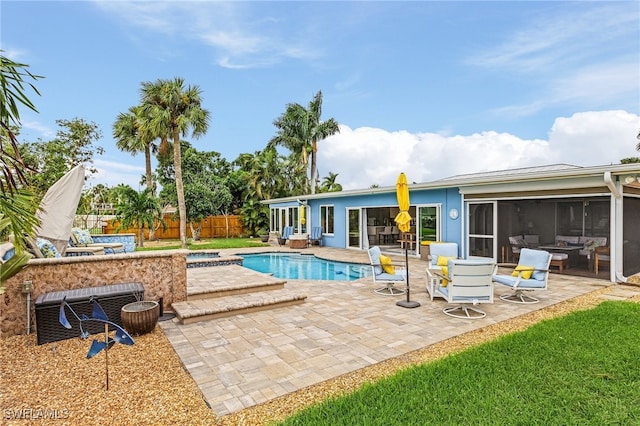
[[300, 129], [170, 108], [131, 137]]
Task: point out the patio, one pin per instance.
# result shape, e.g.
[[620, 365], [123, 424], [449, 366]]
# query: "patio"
[[245, 360]]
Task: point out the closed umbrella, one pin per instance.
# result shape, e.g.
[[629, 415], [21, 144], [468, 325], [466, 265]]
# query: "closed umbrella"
[[302, 219], [403, 220], [58, 208]]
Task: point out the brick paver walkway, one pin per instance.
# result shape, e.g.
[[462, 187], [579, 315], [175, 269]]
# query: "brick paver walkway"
[[248, 359]]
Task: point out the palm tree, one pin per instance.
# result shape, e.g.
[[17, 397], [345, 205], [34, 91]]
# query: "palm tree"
[[17, 204], [138, 209], [300, 130], [329, 183], [168, 108], [133, 138]]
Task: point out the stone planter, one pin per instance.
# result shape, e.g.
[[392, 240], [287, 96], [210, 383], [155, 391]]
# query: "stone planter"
[[264, 238], [140, 317]]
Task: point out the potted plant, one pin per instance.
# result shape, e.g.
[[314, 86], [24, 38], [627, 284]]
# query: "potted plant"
[[264, 235], [140, 317]]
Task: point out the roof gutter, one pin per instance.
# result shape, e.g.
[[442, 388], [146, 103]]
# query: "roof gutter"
[[611, 185]]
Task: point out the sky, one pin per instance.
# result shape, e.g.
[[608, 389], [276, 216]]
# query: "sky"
[[431, 89]]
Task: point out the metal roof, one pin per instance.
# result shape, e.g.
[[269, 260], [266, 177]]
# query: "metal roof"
[[538, 173]]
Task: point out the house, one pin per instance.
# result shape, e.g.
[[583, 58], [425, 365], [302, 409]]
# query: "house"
[[565, 208]]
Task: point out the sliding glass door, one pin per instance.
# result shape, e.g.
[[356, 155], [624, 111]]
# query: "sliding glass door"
[[481, 229], [353, 228]]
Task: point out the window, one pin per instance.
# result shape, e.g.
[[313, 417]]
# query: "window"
[[326, 219]]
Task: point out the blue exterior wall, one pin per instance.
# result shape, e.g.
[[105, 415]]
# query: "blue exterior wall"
[[448, 198]]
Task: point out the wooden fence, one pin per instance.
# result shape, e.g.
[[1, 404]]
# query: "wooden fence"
[[212, 227]]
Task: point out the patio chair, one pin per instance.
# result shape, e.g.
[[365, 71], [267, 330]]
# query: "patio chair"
[[316, 235], [286, 233], [440, 255], [601, 255], [384, 272], [530, 274], [82, 238], [467, 282]]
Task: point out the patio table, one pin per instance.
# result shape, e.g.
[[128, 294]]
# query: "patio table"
[[571, 251]]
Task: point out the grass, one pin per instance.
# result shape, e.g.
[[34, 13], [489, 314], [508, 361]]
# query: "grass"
[[214, 243], [581, 369]]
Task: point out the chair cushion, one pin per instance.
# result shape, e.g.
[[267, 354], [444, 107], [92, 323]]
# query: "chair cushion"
[[82, 236], [442, 249], [539, 259], [47, 248], [374, 254], [391, 277], [510, 281], [387, 265]]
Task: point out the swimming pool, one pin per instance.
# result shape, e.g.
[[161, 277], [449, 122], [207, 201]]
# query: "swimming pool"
[[304, 267]]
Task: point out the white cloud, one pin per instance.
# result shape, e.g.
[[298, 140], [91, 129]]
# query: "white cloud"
[[111, 174], [366, 156]]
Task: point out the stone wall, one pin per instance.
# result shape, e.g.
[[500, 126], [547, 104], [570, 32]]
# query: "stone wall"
[[163, 274]]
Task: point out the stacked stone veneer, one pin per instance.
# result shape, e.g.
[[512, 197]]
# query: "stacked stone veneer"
[[163, 274]]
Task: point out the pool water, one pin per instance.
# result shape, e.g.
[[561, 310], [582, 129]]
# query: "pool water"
[[304, 267]]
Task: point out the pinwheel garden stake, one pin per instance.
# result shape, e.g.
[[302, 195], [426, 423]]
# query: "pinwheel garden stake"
[[97, 314]]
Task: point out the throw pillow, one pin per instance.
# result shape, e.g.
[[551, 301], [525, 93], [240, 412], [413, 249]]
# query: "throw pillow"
[[526, 271], [386, 265], [47, 248], [83, 237], [443, 260], [445, 272]]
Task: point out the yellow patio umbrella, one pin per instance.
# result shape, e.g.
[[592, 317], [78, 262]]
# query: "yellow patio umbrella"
[[302, 219], [403, 220]]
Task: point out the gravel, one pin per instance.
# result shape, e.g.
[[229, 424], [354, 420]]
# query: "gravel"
[[148, 384]]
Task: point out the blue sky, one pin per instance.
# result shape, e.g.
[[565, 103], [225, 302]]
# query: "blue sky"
[[429, 88]]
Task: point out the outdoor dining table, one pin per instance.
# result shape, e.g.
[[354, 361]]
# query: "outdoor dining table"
[[572, 251]]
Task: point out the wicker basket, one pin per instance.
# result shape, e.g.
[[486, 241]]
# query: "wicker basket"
[[140, 317]]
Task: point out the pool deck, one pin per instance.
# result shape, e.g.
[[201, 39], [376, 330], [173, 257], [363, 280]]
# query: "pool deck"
[[343, 326]]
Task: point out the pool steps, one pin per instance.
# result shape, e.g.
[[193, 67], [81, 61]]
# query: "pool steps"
[[223, 291]]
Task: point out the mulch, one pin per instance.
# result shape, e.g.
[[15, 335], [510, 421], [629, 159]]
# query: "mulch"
[[148, 385]]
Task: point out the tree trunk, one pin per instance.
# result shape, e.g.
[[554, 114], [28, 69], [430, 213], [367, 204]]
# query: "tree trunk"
[[147, 163], [182, 207], [141, 237], [314, 166]]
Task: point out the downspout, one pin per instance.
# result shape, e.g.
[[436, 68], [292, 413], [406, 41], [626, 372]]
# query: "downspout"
[[616, 224], [612, 185]]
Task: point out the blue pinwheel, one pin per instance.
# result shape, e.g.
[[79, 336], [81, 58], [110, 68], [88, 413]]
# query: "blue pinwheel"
[[97, 314]]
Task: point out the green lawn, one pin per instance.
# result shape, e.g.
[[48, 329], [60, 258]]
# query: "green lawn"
[[581, 369], [214, 243]]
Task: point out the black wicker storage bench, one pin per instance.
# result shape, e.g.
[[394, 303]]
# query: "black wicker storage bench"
[[111, 297]]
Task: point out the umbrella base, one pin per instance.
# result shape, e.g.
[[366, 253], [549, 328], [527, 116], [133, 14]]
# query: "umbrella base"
[[407, 304]]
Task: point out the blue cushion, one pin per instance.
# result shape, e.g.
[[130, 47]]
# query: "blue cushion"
[[510, 281], [539, 259], [389, 277], [374, 253], [47, 248], [442, 249]]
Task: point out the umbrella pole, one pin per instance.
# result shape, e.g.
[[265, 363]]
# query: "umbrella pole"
[[406, 303]]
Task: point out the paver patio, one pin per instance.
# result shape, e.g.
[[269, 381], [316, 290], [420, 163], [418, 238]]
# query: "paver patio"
[[248, 359]]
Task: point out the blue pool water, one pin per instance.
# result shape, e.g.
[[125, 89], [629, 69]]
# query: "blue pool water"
[[304, 267]]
